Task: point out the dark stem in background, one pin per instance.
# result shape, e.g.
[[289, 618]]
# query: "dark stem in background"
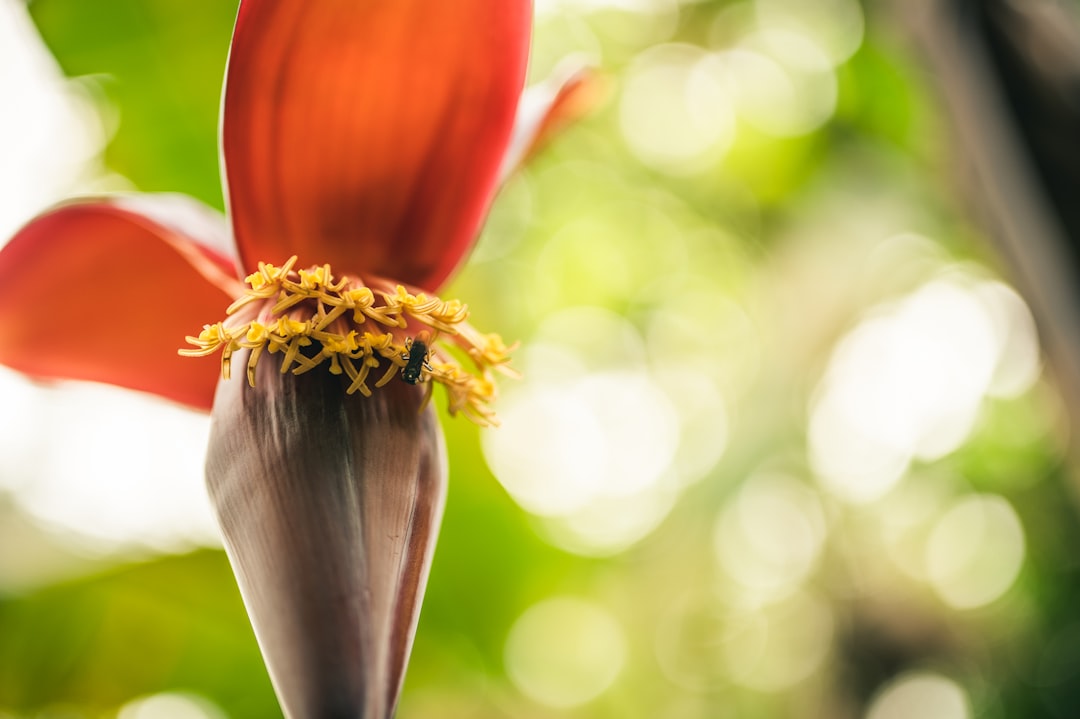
[[1008, 72]]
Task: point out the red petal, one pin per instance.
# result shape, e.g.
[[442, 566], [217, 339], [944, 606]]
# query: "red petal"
[[98, 291], [546, 108], [370, 134]]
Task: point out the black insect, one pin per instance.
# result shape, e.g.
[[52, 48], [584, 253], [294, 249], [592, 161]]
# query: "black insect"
[[416, 358]]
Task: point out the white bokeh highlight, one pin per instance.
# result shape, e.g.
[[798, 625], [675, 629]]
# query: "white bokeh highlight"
[[975, 551], [776, 648], [49, 143], [674, 111], [592, 442], [563, 447], [564, 652], [780, 82], [836, 26], [107, 469], [770, 537], [923, 695], [908, 382], [171, 705], [592, 451]]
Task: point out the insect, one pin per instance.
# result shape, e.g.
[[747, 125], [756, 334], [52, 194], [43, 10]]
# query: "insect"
[[416, 358]]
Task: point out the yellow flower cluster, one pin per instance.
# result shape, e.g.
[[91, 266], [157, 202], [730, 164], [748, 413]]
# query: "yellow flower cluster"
[[310, 319]]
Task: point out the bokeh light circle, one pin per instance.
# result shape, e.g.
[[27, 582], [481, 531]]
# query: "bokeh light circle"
[[975, 551], [171, 705], [564, 652], [770, 536], [909, 381], [675, 112], [835, 25], [921, 696], [116, 469], [780, 81], [781, 645], [561, 479], [605, 434], [51, 144], [589, 441]]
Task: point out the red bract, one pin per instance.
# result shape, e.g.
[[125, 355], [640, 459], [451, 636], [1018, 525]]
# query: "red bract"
[[392, 174], [120, 281], [366, 135]]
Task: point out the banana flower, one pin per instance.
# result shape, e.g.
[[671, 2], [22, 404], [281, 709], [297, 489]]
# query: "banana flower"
[[362, 143]]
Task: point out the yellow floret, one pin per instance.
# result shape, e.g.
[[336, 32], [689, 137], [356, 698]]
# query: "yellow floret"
[[354, 329]]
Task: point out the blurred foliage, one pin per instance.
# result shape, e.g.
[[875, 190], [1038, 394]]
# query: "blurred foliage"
[[158, 68], [98, 642], [791, 230]]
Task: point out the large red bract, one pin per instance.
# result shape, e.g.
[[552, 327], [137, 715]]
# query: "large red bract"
[[361, 133], [369, 135]]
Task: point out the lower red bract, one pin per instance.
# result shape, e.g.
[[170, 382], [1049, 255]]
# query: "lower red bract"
[[94, 292]]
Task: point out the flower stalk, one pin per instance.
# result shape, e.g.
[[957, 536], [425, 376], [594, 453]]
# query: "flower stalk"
[[329, 505]]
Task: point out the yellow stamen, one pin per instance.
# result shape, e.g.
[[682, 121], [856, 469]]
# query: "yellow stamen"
[[310, 318]]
